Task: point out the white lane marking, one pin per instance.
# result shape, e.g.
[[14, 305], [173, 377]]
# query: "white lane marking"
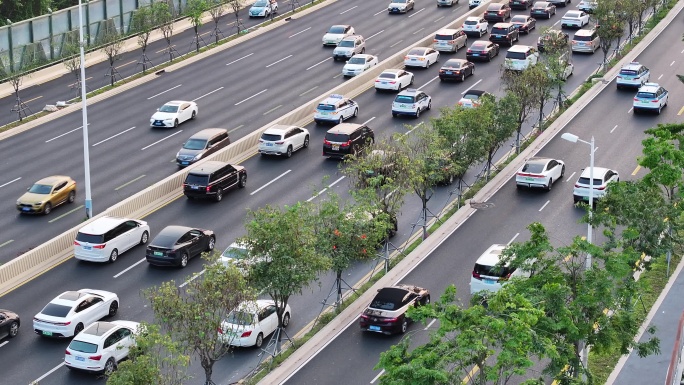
[[274, 63], [630, 110], [392, 46], [418, 31], [682, 51], [130, 267], [438, 19], [66, 133], [430, 324], [335, 182], [456, 9], [377, 13], [161, 140], [267, 184], [661, 75], [307, 91], [513, 239], [236, 128], [471, 87], [4, 343], [237, 60], [302, 31], [417, 12], [112, 137], [48, 373], [368, 121], [207, 94], [556, 23], [542, 208], [320, 62], [255, 95], [570, 177], [672, 63], [194, 277], [375, 34], [611, 131], [325, 189], [343, 12], [378, 376], [5, 244], [430, 81], [12, 181], [337, 76], [411, 130], [163, 92]]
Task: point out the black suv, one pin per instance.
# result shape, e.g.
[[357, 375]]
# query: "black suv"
[[346, 139], [212, 178], [497, 12], [503, 33]]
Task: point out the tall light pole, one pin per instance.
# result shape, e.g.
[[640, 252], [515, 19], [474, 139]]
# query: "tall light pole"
[[84, 113]]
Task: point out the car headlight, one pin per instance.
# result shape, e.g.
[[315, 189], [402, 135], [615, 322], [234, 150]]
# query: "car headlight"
[[197, 157], [18, 202], [177, 154], [168, 120], [38, 203]]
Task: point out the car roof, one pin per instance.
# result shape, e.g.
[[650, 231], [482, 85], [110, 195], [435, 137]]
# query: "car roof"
[[363, 55], [537, 160], [502, 25], [454, 60], [519, 48], [447, 31], [392, 70], [102, 225], [584, 32], [334, 98], [53, 179], [208, 167], [340, 25], [491, 256], [344, 128], [573, 13], [598, 172], [96, 330], [409, 92], [352, 38], [279, 129], [174, 102], [541, 3], [649, 87], [475, 92], [632, 66], [473, 18], [423, 48], [395, 294], [174, 230], [208, 133]]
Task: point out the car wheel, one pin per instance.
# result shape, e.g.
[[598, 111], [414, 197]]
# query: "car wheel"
[[109, 367], [363, 50], [113, 256], [13, 329], [428, 64], [47, 208], [404, 325], [212, 243], [481, 33], [72, 197], [184, 260], [113, 308], [427, 300], [562, 172], [306, 142], [418, 113], [412, 80], [548, 186], [219, 195], [429, 105], [175, 123], [394, 115], [194, 114], [78, 329], [340, 121], [288, 154], [144, 237], [286, 320], [356, 112], [243, 181], [259, 341], [489, 57]]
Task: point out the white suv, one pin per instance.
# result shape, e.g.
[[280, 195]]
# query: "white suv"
[[633, 74], [101, 346], [283, 140], [650, 97], [602, 176], [349, 46], [411, 102], [475, 25], [335, 109], [520, 57], [488, 276], [104, 239]]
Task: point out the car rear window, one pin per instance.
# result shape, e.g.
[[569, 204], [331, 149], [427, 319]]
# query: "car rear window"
[[645, 95], [418, 52], [479, 47], [628, 72], [493, 271], [582, 38], [519, 19], [533, 168], [83, 347], [326, 107], [55, 310], [270, 137], [444, 37], [89, 238], [583, 180], [384, 304], [470, 22], [240, 318], [516, 55], [201, 180], [387, 76], [499, 31], [404, 99], [340, 138], [494, 7]]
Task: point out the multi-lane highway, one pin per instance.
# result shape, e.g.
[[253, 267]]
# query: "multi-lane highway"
[[618, 134], [118, 160]]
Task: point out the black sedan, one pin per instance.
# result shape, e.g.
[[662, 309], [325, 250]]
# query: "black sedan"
[[523, 23], [543, 9], [456, 69], [386, 314], [482, 50], [175, 245], [9, 324]]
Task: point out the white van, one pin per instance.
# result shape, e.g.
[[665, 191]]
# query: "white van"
[[104, 239], [520, 57], [489, 277], [450, 40]]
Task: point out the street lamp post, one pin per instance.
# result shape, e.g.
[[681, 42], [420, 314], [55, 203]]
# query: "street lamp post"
[[84, 113]]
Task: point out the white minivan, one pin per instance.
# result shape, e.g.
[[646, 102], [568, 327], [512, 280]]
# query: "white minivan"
[[488, 276], [104, 239], [520, 57]]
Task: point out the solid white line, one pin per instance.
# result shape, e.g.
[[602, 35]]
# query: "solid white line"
[[513, 239], [112, 137], [430, 81], [324, 190], [438, 19], [392, 46], [376, 34], [163, 92], [672, 63], [335, 182], [12, 181], [237, 60], [194, 277], [418, 31], [611, 131], [430, 324], [542, 208], [48, 373], [378, 376], [130, 267], [257, 94], [207, 94], [4, 343], [320, 62], [661, 75], [161, 140], [384, 10], [274, 63], [68, 132], [343, 12], [570, 177], [416, 12], [275, 179], [471, 87], [369, 120], [299, 33]]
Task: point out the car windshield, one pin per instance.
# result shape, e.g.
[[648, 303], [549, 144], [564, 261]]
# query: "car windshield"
[[387, 75], [404, 99], [40, 189], [240, 318], [357, 60], [628, 72], [261, 3], [585, 180], [195, 144], [646, 95], [235, 253], [417, 52], [470, 22], [83, 347], [336, 29], [534, 168], [168, 108], [346, 43], [55, 310]]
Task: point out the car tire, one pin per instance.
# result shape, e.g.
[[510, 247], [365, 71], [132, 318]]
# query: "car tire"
[[47, 208], [113, 256], [243, 181], [175, 123], [286, 320], [412, 80], [356, 112], [184, 260], [109, 368], [394, 115], [78, 329], [72, 197], [194, 115], [13, 329], [306, 142], [288, 154], [489, 57], [259, 340], [363, 50], [113, 308], [427, 300], [219, 195], [417, 113], [429, 105], [562, 172], [548, 186], [211, 244], [404, 325], [341, 120], [144, 237], [463, 77]]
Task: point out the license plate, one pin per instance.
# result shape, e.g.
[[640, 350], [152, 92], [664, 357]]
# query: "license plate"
[[47, 333], [529, 179], [194, 187], [476, 54], [87, 247], [498, 36], [489, 281], [580, 44], [335, 147], [269, 144], [185, 163], [413, 59], [325, 113], [374, 328], [25, 209], [402, 106], [585, 198], [80, 358], [158, 253], [449, 72], [383, 82], [158, 123]]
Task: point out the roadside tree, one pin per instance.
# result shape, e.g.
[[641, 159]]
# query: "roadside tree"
[[523, 97], [144, 23], [194, 11], [610, 24], [112, 43], [216, 9], [503, 124], [235, 6], [164, 18]]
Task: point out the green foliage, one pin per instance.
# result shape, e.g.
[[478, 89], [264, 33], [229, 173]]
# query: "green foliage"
[[608, 16], [194, 10], [465, 130], [523, 98]]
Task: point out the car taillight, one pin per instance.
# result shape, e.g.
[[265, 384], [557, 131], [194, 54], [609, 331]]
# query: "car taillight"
[[421, 58], [346, 144], [95, 358], [185, 185], [406, 58], [601, 188], [219, 330], [577, 186], [393, 82], [655, 101], [506, 278], [67, 352], [476, 275], [395, 319], [452, 41], [100, 247], [261, 140], [441, 71], [636, 99], [530, 175], [76, 243], [246, 334], [501, 13], [364, 316], [435, 40], [326, 141], [279, 142], [208, 188], [469, 51]]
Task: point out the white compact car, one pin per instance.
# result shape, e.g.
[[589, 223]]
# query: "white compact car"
[[540, 172], [358, 64], [602, 176], [335, 109], [446, 3], [587, 6], [283, 140], [475, 26], [72, 311], [487, 276], [650, 97], [474, 3], [633, 74], [251, 322], [101, 346], [421, 57], [411, 102], [263, 8], [174, 113], [393, 79], [574, 19], [401, 6], [104, 239], [337, 33]]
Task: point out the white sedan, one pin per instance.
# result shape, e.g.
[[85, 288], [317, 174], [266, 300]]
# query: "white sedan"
[[575, 19], [421, 57], [101, 346], [174, 113], [359, 63], [393, 79], [251, 322], [336, 33], [540, 172], [70, 313]]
